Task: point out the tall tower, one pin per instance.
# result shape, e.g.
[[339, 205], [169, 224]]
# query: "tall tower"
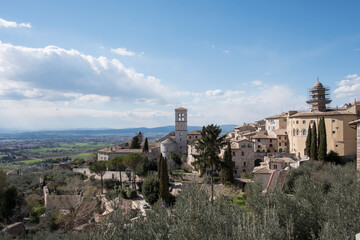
[[181, 129], [318, 97]]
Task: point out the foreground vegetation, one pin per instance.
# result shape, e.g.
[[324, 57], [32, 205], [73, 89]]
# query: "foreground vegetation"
[[320, 201]]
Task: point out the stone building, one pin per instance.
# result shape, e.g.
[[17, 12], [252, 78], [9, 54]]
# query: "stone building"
[[356, 124], [276, 122], [340, 136], [264, 142], [242, 156], [178, 142]]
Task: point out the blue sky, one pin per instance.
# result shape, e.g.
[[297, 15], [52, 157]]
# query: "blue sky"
[[117, 64]]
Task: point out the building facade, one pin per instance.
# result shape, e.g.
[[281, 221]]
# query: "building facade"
[[341, 138]]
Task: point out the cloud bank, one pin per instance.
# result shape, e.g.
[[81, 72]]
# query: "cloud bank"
[[348, 87]]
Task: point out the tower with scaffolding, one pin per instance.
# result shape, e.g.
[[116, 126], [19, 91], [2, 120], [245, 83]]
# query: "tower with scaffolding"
[[318, 97]]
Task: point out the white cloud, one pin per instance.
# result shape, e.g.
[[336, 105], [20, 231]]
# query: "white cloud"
[[256, 83], [9, 24], [55, 71], [122, 52], [348, 87], [212, 46], [214, 93], [226, 51]]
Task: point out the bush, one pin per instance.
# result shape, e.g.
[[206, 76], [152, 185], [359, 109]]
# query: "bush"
[[131, 193], [150, 189], [111, 194], [111, 183]]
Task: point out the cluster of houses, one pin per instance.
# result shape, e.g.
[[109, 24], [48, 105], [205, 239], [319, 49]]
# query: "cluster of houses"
[[267, 146]]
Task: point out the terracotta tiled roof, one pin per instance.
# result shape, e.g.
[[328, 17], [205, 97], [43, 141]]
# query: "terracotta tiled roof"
[[281, 115], [318, 113]]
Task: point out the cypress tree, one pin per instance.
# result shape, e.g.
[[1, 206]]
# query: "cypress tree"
[[308, 142], [146, 146], [227, 176], [164, 182], [322, 140], [314, 147], [159, 165]]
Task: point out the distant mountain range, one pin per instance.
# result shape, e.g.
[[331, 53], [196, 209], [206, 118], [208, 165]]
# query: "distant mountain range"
[[148, 132]]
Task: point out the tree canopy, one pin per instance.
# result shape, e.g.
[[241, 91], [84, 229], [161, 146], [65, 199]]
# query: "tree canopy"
[[99, 168], [227, 175], [208, 149]]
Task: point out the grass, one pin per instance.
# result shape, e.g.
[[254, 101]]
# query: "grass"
[[31, 161], [85, 156]]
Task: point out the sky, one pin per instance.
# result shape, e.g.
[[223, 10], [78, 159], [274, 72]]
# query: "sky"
[[130, 63]]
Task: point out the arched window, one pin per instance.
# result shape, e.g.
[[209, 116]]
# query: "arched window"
[[297, 132], [304, 132]]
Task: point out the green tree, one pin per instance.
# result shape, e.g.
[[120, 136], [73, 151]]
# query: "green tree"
[[150, 189], [133, 161], [208, 149], [146, 167], [322, 140], [135, 143], [161, 158], [164, 182], [146, 146], [99, 168], [314, 147], [227, 176], [175, 157], [117, 164], [308, 142]]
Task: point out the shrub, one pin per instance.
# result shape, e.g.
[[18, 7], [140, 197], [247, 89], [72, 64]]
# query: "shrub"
[[150, 189], [131, 193]]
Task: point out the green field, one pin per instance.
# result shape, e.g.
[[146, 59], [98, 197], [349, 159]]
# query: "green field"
[[63, 149]]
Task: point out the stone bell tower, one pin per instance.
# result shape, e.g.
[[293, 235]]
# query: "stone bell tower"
[[181, 129]]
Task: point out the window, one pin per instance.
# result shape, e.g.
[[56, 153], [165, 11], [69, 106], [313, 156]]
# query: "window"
[[249, 145], [195, 136], [304, 121], [275, 166], [336, 145], [243, 145], [304, 132], [297, 122], [112, 176], [285, 137], [244, 170], [189, 137], [270, 140], [280, 144], [258, 139], [273, 127], [259, 146], [312, 121], [279, 137], [285, 144], [333, 132], [244, 163], [293, 132], [333, 120], [233, 164], [84, 172], [233, 153], [270, 145], [242, 153], [180, 133], [268, 127]]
